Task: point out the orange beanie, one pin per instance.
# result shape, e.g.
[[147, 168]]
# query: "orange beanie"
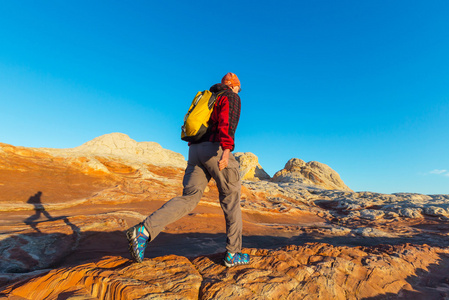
[[230, 80]]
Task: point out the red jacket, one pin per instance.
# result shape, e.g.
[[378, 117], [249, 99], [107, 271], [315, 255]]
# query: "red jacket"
[[225, 117]]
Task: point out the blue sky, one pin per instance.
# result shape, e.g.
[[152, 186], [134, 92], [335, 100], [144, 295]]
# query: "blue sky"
[[362, 86]]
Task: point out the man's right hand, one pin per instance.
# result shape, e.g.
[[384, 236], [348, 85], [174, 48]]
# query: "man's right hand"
[[223, 162]]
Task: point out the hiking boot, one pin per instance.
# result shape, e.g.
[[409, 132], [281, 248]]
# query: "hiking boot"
[[138, 239], [235, 259]]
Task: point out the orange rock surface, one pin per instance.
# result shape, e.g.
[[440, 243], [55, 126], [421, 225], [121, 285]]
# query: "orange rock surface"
[[63, 217], [167, 277]]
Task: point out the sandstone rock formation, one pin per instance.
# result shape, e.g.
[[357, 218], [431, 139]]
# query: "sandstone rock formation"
[[63, 214], [321, 271], [311, 173], [168, 277], [122, 146], [311, 271], [250, 169]]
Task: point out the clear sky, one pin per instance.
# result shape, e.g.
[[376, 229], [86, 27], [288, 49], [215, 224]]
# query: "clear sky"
[[362, 86]]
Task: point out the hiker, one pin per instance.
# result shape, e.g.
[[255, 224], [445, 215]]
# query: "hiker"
[[209, 157]]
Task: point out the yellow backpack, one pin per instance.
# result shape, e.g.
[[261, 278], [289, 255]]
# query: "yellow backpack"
[[197, 118]]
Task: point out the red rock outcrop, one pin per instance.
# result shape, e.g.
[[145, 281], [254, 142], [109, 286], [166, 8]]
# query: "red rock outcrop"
[[63, 214]]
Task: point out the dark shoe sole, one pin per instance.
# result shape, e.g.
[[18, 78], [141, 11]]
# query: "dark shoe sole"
[[229, 265]]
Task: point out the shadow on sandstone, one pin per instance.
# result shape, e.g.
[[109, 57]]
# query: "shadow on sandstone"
[[196, 244], [39, 211], [430, 284], [359, 240], [92, 246], [39, 250], [35, 251], [95, 245]]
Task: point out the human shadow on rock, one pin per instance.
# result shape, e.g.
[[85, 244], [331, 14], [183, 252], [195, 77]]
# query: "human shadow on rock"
[[46, 246], [39, 210]]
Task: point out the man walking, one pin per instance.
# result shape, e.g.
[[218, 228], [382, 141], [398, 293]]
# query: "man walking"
[[210, 157]]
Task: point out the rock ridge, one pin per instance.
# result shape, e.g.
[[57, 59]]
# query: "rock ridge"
[[122, 146]]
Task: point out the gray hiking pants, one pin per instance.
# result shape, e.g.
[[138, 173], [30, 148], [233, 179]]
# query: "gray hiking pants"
[[202, 166]]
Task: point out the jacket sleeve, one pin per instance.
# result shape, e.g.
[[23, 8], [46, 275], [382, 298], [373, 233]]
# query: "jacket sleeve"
[[226, 141]]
